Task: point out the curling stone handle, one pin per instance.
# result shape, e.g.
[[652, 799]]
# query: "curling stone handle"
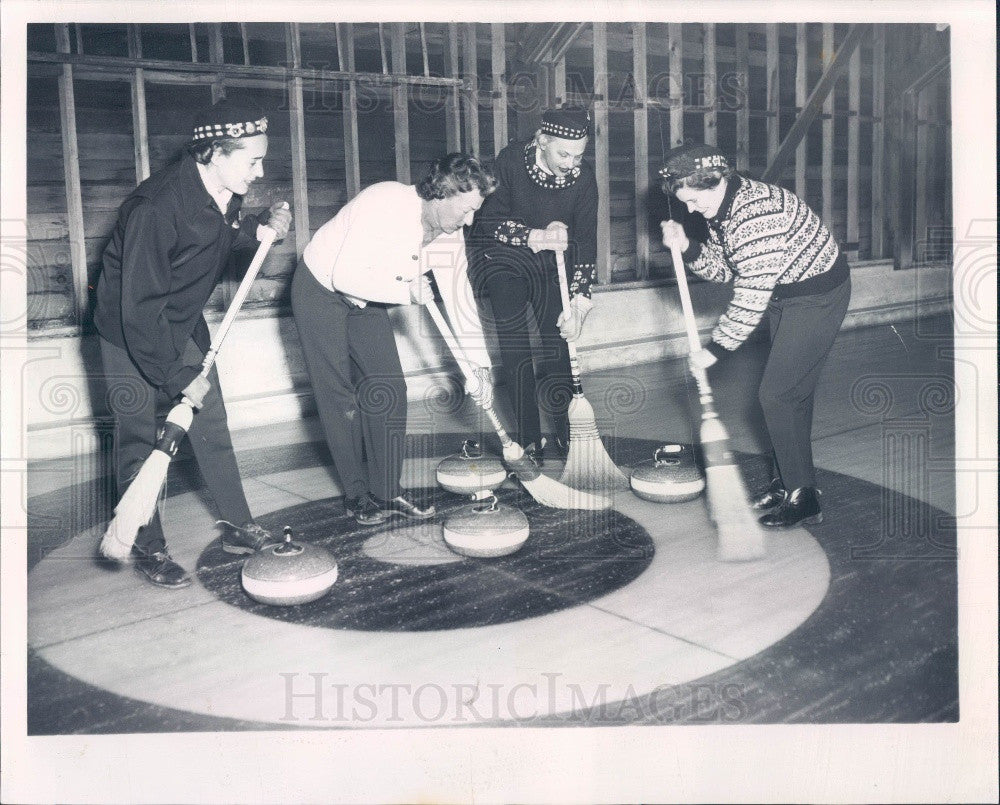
[[471, 449]]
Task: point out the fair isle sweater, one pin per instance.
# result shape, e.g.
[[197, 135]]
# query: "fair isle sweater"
[[767, 242]]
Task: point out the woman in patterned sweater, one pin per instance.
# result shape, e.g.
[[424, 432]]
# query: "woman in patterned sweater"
[[783, 261]]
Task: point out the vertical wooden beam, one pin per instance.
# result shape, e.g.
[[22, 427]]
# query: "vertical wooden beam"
[[675, 47], [602, 161], [423, 49], [246, 43], [140, 131], [557, 94], [711, 82], [71, 170], [452, 114], [297, 131], [471, 94], [853, 154], [878, 143], [773, 93], [216, 56], [640, 119], [499, 66], [827, 171], [78, 30], [801, 93], [923, 168], [400, 103], [349, 98], [381, 50], [743, 110], [193, 33]]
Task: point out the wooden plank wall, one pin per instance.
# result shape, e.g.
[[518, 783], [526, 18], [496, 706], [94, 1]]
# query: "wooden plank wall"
[[362, 119]]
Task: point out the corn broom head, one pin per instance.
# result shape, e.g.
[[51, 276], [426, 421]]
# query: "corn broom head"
[[138, 505], [588, 465], [548, 491], [741, 536], [136, 508]]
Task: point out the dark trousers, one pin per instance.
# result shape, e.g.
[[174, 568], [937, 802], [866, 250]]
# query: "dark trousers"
[[514, 286], [803, 329], [353, 365], [135, 404]]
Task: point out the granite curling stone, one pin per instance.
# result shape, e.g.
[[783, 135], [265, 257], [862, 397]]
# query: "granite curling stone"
[[672, 476], [471, 471], [289, 573], [486, 529]]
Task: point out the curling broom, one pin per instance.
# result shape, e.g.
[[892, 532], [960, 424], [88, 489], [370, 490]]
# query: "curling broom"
[[741, 537], [588, 465], [138, 505], [547, 491]]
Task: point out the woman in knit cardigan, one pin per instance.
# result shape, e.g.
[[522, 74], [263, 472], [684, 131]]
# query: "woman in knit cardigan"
[[783, 261]]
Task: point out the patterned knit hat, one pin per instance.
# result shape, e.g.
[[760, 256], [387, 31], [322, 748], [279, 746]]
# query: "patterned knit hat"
[[687, 159], [229, 119], [567, 122]]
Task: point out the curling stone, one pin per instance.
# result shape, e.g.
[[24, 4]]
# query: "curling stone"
[[672, 476], [471, 471], [289, 573], [486, 529]]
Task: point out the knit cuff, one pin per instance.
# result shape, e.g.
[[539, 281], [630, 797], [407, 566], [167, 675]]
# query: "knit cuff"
[[583, 277], [512, 233]]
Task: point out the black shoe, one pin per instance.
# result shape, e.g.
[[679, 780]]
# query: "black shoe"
[[536, 452], [246, 538], [160, 569], [771, 497], [800, 507], [365, 510], [407, 508]]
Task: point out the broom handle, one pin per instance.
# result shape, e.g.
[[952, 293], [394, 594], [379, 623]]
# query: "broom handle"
[[694, 342], [574, 364], [463, 364], [240, 297]]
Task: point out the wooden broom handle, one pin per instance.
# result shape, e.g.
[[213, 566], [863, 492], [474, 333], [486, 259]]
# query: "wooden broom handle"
[[574, 363], [241, 294], [464, 363], [694, 342]]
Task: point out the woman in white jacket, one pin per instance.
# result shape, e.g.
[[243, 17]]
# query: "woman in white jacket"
[[376, 252]]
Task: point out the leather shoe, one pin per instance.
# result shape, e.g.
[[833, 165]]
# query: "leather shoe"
[[160, 569], [771, 497], [406, 508], [246, 538], [365, 510], [800, 507]]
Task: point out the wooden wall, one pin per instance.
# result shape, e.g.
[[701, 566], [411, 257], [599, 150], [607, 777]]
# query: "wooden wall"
[[109, 103]]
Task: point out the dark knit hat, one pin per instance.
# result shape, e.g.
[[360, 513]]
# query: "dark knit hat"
[[567, 122], [687, 159], [230, 118]]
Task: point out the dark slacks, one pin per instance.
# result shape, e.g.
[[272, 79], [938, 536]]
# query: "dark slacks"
[[353, 365], [803, 329], [515, 284], [135, 403]]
